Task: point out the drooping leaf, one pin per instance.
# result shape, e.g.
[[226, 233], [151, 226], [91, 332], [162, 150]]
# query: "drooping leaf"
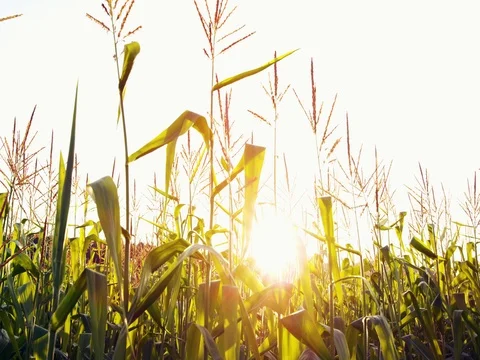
[[131, 51], [169, 137], [385, 336], [302, 326], [157, 289], [23, 260], [251, 72], [251, 163], [155, 259], [104, 193], [97, 299], [69, 301], [419, 245], [340, 342]]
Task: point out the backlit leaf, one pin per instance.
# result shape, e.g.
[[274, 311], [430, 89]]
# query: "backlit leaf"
[[248, 73]]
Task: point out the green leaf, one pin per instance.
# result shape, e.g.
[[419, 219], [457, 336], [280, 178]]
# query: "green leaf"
[[104, 193], [157, 289], [302, 326], [40, 342], [69, 301], [170, 136], [252, 163], [385, 336], [3, 214], [194, 347], [23, 260], [231, 338], [419, 245], [63, 205], [7, 325], [340, 342], [458, 333], [248, 73], [326, 211], [97, 299], [154, 260], [131, 51]]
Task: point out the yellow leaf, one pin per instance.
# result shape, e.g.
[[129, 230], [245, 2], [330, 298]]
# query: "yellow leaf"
[[251, 72], [131, 51]]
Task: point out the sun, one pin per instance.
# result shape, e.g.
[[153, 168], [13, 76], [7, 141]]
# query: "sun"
[[274, 246]]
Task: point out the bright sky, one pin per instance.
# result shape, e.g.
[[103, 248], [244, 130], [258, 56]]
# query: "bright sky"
[[407, 73]]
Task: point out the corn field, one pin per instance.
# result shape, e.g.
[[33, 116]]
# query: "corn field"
[[77, 282]]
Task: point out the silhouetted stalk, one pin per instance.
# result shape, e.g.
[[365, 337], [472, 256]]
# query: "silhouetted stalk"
[[127, 172]]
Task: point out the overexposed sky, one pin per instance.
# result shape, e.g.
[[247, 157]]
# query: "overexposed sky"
[[408, 73]]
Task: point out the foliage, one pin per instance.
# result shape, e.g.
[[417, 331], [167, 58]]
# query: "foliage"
[[83, 291]]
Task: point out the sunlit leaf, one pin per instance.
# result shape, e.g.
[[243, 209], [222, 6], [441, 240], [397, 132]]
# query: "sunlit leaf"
[[131, 51], [104, 193], [326, 212], [169, 136], [231, 339], [193, 348], [248, 73], [302, 326], [419, 245]]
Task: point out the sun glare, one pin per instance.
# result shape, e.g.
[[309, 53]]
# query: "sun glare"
[[273, 246]]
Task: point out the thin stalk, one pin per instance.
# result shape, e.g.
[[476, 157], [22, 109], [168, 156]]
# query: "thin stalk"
[[127, 176], [208, 274]]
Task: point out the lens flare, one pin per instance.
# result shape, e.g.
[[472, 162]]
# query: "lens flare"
[[274, 246]]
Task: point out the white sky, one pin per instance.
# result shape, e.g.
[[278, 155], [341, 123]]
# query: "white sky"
[[407, 73]]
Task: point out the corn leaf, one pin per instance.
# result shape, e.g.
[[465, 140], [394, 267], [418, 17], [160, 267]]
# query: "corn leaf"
[[248, 73], [69, 301], [302, 326], [155, 259], [131, 51], [97, 299], [426, 323], [193, 347], [418, 346], [157, 289], [3, 214], [458, 332], [23, 260], [326, 211], [7, 326], [169, 137], [231, 338], [340, 342], [63, 205], [419, 245], [251, 163], [104, 193]]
